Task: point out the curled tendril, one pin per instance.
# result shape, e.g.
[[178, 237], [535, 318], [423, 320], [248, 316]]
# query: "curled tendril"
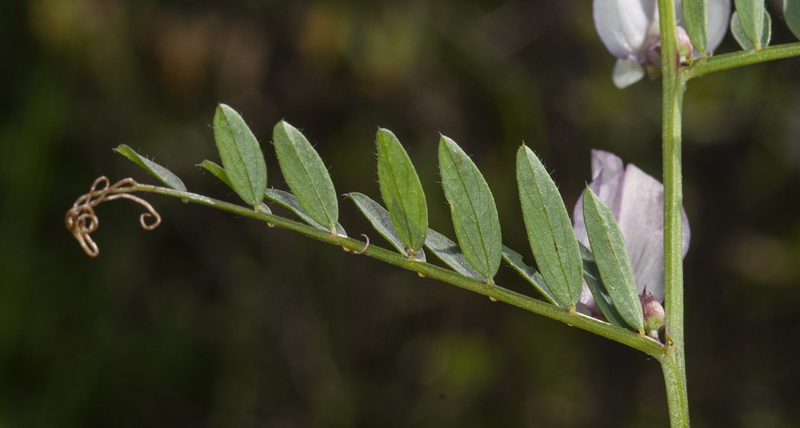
[[366, 245], [81, 219]]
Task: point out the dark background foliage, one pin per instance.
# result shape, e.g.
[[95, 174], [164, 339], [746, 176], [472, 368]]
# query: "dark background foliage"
[[213, 320]]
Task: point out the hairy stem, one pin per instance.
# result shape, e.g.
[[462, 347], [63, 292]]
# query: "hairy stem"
[[675, 382], [673, 252], [742, 58], [674, 84]]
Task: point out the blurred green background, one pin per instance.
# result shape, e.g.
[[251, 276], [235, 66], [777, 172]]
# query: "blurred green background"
[[218, 321]]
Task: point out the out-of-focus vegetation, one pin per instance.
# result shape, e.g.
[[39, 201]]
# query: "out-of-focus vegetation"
[[216, 321]]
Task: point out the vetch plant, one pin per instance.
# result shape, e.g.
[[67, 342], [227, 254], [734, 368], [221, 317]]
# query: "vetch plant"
[[607, 270]]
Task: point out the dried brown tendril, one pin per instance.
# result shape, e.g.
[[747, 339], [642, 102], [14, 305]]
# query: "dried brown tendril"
[[81, 219]]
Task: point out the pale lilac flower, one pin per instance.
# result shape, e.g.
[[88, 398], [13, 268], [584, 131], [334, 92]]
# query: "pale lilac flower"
[[629, 29], [637, 201]]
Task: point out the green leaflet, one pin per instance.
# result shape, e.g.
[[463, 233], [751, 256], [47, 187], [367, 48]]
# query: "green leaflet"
[[752, 21], [306, 175], [611, 256], [162, 174], [550, 232], [241, 155], [695, 16], [791, 12], [402, 192], [288, 201], [217, 170], [381, 220], [742, 38], [222, 176], [448, 252], [473, 210], [592, 277], [514, 259]]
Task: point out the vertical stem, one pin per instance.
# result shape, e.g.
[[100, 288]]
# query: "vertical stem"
[[674, 84], [675, 382], [673, 363]]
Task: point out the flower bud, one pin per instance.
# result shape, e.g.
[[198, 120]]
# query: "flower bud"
[[685, 48], [653, 314]]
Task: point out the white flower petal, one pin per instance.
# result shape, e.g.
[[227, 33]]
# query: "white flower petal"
[[622, 24], [687, 232], [608, 171], [719, 15], [627, 72], [586, 304], [641, 219], [607, 174]]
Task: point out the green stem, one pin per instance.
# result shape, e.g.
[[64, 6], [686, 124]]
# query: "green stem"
[[675, 382], [741, 59], [673, 253], [674, 85], [496, 292]]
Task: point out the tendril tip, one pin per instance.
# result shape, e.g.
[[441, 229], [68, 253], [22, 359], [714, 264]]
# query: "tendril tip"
[[81, 219]]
